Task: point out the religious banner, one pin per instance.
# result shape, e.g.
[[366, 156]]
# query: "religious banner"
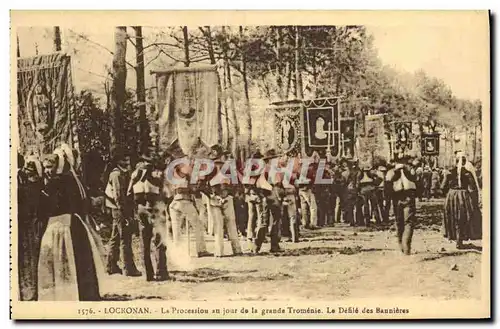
[[374, 143], [188, 107], [347, 134], [430, 143], [287, 126], [403, 140], [322, 127], [45, 104]]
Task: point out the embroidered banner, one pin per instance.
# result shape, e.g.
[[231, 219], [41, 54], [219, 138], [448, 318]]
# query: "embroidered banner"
[[374, 143], [322, 127], [430, 143], [403, 140], [287, 126], [188, 107], [45, 104], [348, 136]]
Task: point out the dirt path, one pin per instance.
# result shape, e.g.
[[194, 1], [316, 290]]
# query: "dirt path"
[[330, 263]]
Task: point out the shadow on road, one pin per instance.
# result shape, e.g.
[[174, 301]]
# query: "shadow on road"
[[309, 251], [125, 297]]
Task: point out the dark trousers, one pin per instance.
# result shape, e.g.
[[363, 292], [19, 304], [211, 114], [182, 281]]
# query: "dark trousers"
[[370, 205], [338, 201], [325, 205], [121, 242], [351, 203], [405, 211], [271, 214], [152, 223], [261, 228], [241, 212], [383, 204]]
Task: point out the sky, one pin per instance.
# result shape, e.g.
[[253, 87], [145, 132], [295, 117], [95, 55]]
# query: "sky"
[[456, 53]]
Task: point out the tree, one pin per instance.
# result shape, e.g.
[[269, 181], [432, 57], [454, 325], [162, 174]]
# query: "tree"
[[141, 89], [118, 92], [57, 38]]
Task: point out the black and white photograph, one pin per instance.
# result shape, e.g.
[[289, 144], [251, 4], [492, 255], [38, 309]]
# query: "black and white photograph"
[[239, 165]]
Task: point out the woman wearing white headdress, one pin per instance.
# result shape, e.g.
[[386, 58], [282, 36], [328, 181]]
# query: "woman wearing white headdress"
[[70, 265], [460, 223]]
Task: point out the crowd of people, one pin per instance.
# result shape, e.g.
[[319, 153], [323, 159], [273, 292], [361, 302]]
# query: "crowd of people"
[[61, 255]]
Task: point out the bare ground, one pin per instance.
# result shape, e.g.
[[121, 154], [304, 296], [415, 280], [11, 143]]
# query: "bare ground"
[[330, 263]]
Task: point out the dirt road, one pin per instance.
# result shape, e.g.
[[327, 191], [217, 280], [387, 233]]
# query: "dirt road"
[[329, 263]]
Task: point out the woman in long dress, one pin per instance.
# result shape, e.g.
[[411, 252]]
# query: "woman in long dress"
[[30, 227], [70, 265], [461, 222]]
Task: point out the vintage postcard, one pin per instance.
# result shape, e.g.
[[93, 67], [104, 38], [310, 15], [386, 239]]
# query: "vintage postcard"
[[250, 165]]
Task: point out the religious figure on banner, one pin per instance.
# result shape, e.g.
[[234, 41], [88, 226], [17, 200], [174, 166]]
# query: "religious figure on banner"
[[40, 110], [320, 129], [403, 136], [285, 129], [348, 140], [430, 144], [188, 110]]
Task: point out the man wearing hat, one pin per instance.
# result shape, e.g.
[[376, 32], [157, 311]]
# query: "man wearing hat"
[[307, 194], [270, 206], [425, 182], [221, 204], [183, 210], [150, 195], [122, 211], [285, 195], [350, 178], [405, 189], [367, 189]]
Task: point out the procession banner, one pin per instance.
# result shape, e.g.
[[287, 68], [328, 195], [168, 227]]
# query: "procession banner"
[[287, 126], [348, 136], [188, 107], [322, 127], [403, 140], [374, 143], [45, 103], [430, 143]]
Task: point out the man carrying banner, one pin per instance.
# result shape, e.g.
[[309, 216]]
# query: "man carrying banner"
[[405, 189], [183, 211], [146, 185]]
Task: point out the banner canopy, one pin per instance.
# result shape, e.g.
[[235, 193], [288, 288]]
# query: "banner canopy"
[[45, 103], [188, 107]]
